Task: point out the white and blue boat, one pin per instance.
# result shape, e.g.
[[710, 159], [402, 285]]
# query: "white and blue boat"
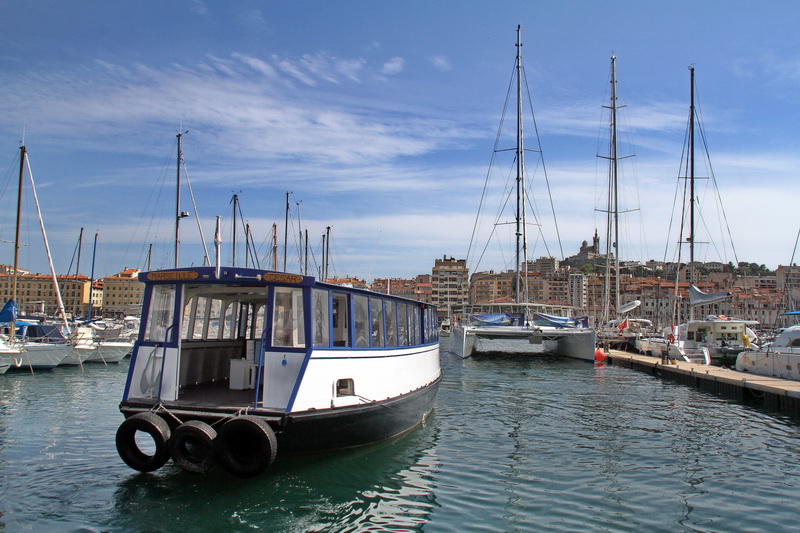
[[234, 366]]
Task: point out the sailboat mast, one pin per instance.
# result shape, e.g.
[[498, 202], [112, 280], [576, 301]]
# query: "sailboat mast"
[[16, 237], [691, 179], [286, 232], [614, 178], [691, 187], [178, 202], [75, 304], [91, 279], [520, 182], [235, 206]]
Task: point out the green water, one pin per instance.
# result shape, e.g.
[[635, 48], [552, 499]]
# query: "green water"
[[513, 445]]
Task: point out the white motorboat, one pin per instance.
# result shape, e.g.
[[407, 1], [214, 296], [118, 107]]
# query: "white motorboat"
[[779, 358]]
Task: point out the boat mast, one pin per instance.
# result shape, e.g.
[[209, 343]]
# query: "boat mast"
[[286, 232], [16, 235], [612, 215], [91, 279], [178, 202], [235, 201], [520, 182], [75, 305], [691, 188]]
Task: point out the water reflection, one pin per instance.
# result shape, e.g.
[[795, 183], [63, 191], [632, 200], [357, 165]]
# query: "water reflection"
[[383, 486]]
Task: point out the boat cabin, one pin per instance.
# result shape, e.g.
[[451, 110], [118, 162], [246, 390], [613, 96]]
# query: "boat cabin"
[[245, 337]]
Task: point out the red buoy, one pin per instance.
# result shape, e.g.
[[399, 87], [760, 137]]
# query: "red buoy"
[[599, 355]]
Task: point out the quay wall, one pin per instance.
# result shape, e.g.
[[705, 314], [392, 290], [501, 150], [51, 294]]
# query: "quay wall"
[[772, 394]]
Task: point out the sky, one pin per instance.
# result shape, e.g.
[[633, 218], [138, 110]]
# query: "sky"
[[380, 118]]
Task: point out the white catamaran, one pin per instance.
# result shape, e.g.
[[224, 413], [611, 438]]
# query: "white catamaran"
[[521, 326]]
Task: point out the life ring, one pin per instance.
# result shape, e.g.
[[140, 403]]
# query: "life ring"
[[246, 446], [722, 317], [671, 338], [192, 447], [129, 450]]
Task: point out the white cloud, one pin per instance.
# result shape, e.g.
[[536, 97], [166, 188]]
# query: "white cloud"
[[441, 63], [393, 66]]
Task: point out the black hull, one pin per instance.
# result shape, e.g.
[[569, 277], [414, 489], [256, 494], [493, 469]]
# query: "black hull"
[[317, 430], [348, 427]]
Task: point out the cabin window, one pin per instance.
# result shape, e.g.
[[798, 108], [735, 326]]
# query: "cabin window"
[[391, 323], [212, 326], [795, 343], [402, 324], [160, 313], [361, 321], [188, 318], [259, 324], [376, 310], [287, 318], [322, 332], [229, 324], [413, 316], [195, 330], [345, 387], [341, 320]]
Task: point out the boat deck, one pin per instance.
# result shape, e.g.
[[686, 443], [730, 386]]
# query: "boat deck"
[[215, 395]]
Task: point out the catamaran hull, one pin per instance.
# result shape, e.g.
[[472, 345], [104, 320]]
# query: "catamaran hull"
[[577, 343]]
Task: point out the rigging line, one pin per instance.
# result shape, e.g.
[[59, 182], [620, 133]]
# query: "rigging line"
[[716, 186], [206, 258], [145, 205], [487, 179], [544, 169]]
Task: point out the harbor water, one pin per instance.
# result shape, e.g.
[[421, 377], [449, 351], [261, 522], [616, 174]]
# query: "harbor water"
[[514, 444]]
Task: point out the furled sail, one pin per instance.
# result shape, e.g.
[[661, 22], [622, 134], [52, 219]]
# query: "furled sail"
[[9, 312], [698, 297]]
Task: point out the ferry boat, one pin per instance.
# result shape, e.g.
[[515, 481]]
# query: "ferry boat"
[[234, 366]]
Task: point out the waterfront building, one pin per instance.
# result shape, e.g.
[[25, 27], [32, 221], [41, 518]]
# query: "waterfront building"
[[449, 284], [122, 294]]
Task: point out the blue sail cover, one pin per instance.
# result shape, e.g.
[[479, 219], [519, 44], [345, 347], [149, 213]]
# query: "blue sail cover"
[[497, 319], [563, 321], [9, 312]]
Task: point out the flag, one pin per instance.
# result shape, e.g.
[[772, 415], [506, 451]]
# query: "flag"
[[623, 325]]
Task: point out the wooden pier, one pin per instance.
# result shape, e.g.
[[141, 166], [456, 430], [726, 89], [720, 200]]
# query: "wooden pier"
[[770, 393]]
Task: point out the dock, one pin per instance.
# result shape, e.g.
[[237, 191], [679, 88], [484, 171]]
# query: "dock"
[[773, 394]]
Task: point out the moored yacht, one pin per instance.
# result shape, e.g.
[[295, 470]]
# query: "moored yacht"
[[235, 365]]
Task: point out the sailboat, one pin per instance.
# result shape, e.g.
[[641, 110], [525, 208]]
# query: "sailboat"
[[521, 326], [618, 330], [34, 355], [698, 340]]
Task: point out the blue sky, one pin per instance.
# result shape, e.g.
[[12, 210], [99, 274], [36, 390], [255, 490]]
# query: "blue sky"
[[380, 118]]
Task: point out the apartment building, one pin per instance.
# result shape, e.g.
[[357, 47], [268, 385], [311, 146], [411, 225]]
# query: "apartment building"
[[449, 284], [122, 294]]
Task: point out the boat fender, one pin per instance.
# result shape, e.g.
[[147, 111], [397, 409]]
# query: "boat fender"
[[192, 447], [129, 450], [671, 338], [246, 446]]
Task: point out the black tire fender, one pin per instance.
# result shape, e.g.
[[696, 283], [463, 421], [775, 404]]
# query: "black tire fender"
[[246, 446], [192, 447], [129, 450]]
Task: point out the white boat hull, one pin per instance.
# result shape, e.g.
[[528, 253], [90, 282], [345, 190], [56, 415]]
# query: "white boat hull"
[[784, 364], [577, 343], [42, 356]]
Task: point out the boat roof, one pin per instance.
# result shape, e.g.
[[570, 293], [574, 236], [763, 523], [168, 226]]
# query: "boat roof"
[[250, 277]]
